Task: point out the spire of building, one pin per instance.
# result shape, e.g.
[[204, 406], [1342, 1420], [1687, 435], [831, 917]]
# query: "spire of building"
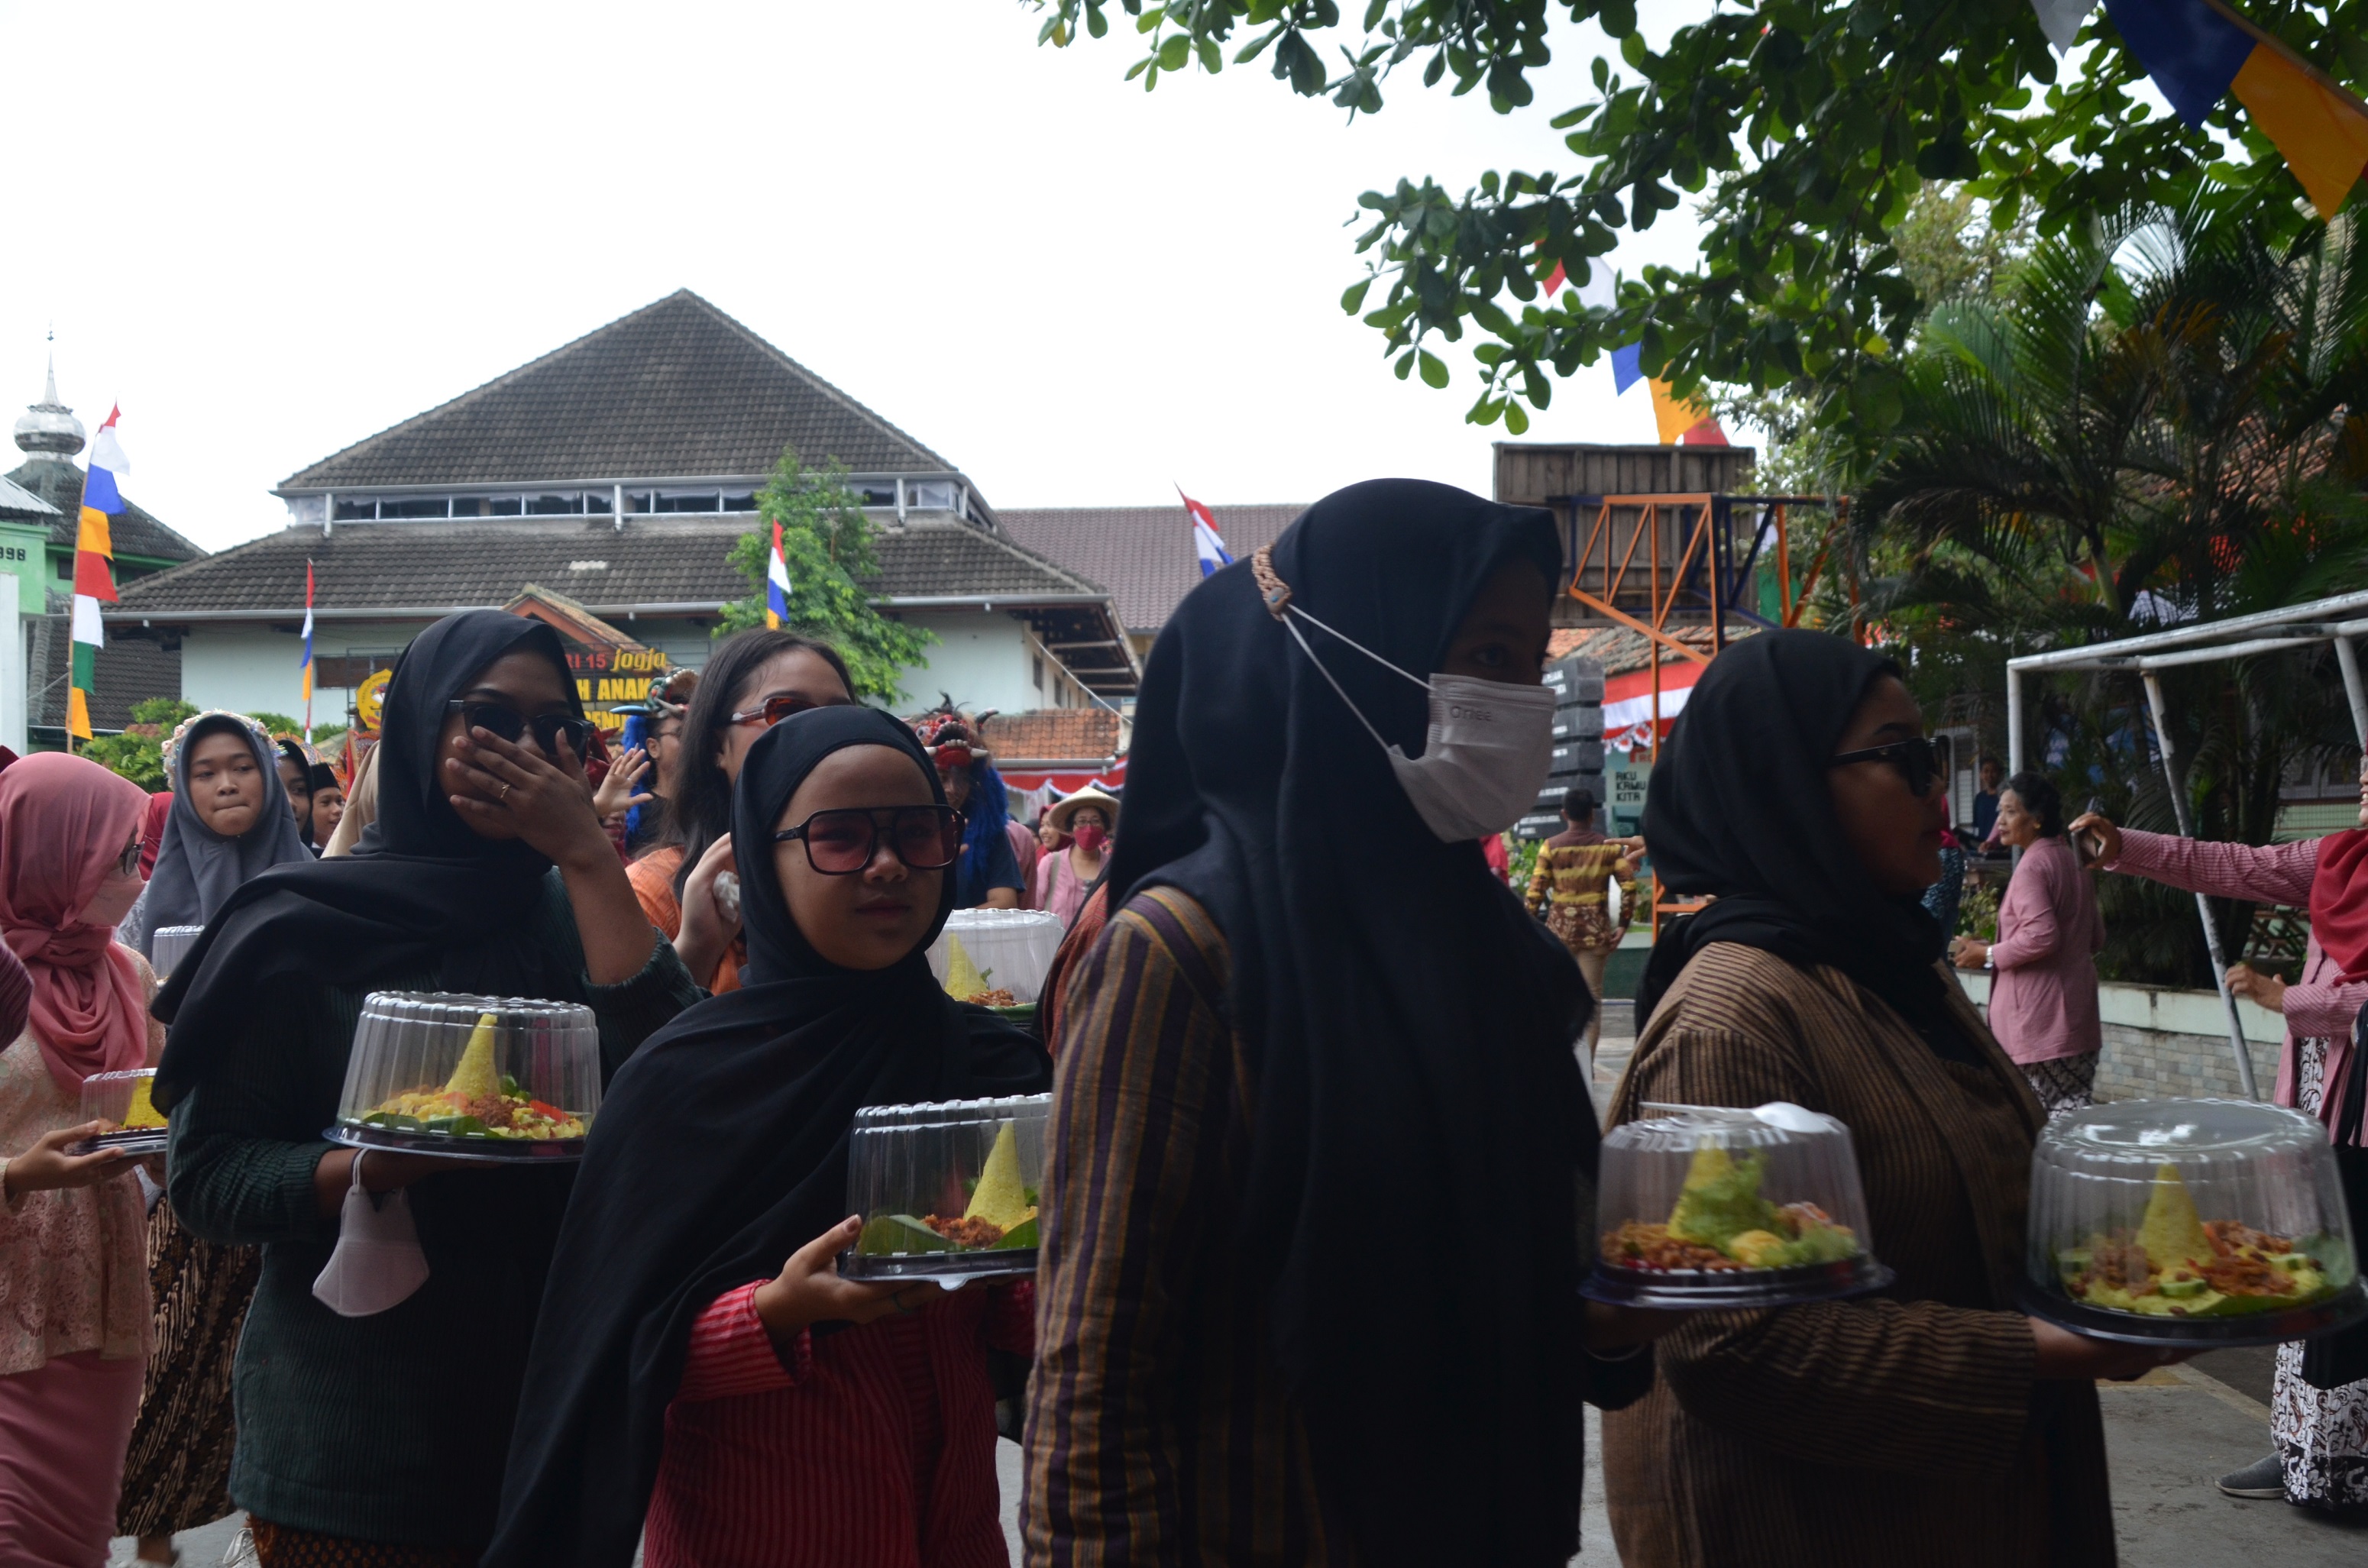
[[49, 428]]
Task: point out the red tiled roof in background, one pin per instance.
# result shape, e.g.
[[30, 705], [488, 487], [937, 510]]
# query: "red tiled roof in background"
[[1052, 734], [1142, 554]]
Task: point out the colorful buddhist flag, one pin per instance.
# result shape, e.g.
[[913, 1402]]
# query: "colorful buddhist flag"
[[1207, 547], [777, 583], [308, 649], [94, 568], [2198, 51]]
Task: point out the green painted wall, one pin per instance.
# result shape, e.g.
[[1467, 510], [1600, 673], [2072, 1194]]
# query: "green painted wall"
[[24, 555]]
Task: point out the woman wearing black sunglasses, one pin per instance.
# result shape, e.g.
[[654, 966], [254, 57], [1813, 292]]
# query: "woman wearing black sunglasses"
[[699, 1360], [755, 679], [380, 1437], [1934, 1423]]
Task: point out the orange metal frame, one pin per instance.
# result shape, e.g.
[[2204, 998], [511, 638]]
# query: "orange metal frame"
[[1698, 519]]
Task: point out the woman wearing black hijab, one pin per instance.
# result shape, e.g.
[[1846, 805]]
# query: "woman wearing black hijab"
[[678, 1352], [1932, 1424], [1321, 1152], [381, 1437]]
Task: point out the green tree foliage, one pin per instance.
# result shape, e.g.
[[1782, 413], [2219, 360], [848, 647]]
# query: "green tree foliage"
[[138, 753], [2143, 426], [826, 542], [1804, 130]]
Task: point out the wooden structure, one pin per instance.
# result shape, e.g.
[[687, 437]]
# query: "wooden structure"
[[1658, 537]]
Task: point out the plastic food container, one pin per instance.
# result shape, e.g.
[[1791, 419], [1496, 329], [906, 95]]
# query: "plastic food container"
[[120, 1100], [947, 1189], [1000, 954], [503, 1078], [171, 944], [1707, 1207], [2194, 1221]]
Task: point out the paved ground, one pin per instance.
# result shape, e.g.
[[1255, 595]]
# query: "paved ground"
[[2168, 1437]]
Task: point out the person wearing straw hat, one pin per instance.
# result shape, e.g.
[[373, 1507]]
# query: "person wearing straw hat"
[[1065, 876]]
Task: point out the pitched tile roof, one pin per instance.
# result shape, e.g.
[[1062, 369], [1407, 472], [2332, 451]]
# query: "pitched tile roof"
[[133, 532], [665, 560], [127, 671], [21, 506], [1052, 734], [1142, 554], [677, 389], [1620, 649]]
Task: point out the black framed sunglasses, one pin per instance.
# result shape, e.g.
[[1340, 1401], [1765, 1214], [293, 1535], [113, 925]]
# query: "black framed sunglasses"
[[1918, 760], [774, 709], [510, 724], [842, 842]]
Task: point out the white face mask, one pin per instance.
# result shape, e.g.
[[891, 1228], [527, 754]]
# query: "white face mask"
[[1485, 758], [377, 1265]]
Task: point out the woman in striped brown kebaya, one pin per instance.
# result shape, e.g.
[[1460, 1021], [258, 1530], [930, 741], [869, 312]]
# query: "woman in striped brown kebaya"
[[1932, 1424], [1320, 1153]]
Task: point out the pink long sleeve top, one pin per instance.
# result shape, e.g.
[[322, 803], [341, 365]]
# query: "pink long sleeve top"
[[2043, 998], [2323, 1004]]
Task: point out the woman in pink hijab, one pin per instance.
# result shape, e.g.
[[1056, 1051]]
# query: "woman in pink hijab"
[[73, 1343]]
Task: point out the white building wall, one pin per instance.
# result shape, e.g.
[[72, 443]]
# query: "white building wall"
[[980, 659], [250, 667]]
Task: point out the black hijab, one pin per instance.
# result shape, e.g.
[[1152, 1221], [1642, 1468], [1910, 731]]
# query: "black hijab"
[[421, 886], [1740, 806], [198, 869], [1421, 1137], [763, 1084]]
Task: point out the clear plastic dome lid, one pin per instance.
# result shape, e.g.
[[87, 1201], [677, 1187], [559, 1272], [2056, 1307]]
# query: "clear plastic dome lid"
[[169, 945], [2180, 1210], [995, 957], [120, 1100], [1758, 1205], [948, 1187], [494, 1076]]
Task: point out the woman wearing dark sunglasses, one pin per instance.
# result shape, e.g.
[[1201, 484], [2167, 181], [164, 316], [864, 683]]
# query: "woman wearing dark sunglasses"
[[486, 872], [1934, 1423], [700, 1364], [755, 680]]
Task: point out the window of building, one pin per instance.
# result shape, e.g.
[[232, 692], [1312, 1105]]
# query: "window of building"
[[930, 495], [488, 505], [877, 495], [1039, 674], [687, 501], [349, 510], [742, 501], [414, 506]]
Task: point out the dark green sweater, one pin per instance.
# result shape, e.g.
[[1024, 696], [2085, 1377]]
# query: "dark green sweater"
[[393, 1427]]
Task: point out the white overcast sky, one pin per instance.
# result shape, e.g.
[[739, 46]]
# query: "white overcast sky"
[[270, 229]]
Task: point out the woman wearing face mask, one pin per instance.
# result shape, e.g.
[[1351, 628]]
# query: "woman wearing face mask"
[[698, 1351], [1317, 1031], [1933, 1423], [1063, 877], [754, 680], [380, 1438], [74, 1336], [230, 822]]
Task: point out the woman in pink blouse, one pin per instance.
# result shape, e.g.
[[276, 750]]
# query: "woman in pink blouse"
[[2321, 1434], [2043, 998], [74, 1265], [1064, 876]]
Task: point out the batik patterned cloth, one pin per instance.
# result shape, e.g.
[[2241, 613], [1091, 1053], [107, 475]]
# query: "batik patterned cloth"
[[2063, 1085], [176, 1473], [2321, 1434], [278, 1546]]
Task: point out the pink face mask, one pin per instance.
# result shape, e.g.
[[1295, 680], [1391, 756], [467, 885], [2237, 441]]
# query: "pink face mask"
[[1091, 838]]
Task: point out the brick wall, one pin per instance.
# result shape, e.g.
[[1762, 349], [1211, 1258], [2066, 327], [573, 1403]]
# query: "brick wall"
[[2145, 1064]]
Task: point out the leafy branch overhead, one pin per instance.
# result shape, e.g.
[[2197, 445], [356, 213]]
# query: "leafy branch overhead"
[[826, 542], [1802, 128]]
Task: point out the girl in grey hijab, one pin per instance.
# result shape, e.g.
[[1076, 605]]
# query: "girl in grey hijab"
[[230, 819]]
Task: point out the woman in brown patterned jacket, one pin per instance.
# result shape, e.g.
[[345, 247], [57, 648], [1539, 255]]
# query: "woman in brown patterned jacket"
[[1932, 1424]]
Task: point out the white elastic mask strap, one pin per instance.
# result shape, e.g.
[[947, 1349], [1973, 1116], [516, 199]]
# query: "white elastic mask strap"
[[1299, 637]]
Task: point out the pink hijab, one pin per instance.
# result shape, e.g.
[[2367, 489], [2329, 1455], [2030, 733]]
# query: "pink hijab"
[[63, 822]]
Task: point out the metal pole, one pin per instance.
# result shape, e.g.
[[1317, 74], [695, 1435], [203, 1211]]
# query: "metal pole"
[[2349, 658], [2202, 905]]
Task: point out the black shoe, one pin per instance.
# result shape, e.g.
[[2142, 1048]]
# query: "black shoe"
[[2262, 1478]]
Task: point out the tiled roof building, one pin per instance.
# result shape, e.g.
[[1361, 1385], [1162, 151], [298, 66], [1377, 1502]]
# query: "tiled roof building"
[[620, 470], [1142, 554]]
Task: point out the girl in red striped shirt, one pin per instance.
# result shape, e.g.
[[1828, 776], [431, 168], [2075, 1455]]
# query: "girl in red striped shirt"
[[698, 1361]]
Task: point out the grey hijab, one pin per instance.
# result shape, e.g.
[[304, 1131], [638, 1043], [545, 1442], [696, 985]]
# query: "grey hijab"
[[198, 869]]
